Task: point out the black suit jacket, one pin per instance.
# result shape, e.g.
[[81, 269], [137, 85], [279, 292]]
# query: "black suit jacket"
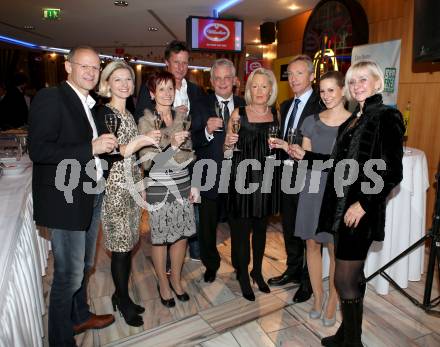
[[201, 112], [59, 130], [144, 99], [312, 107]]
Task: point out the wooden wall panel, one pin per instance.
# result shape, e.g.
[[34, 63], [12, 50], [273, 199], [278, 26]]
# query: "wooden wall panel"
[[390, 20]]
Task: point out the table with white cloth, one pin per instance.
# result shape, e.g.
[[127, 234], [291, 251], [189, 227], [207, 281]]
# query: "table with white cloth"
[[404, 225], [23, 259]]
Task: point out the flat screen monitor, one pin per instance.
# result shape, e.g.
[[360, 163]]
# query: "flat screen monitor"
[[214, 35]]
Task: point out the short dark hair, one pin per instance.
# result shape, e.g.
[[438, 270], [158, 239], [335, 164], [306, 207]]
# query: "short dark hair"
[[336, 75], [158, 77], [175, 47], [74, 50]]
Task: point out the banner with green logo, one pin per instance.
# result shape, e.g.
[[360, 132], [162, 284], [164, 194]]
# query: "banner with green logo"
[[387, 55]]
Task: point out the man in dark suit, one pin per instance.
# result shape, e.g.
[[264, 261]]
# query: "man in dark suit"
[[177, 61], [305, 103], [63, 141], [208, 136]]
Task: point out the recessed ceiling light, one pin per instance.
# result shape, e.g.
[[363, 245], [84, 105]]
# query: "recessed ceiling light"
[[121, 3], [153, 28], [293, 7], [29, 27]]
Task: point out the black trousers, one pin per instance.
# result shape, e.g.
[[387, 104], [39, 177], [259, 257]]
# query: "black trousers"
[[295, 246], [240, 242], [208, 220]]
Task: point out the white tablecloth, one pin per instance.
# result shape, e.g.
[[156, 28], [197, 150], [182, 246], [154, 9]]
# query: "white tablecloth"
[[23, 259], [404, 225]]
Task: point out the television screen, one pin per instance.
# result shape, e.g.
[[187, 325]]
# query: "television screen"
[[214, 34]]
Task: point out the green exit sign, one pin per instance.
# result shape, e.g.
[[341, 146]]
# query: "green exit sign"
[[51, 13]]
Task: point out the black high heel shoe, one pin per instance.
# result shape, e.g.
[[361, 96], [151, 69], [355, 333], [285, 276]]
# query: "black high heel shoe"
[[262, 285], [181, 297], [166, 302], [246, 288], [127, 311], [138, 308]]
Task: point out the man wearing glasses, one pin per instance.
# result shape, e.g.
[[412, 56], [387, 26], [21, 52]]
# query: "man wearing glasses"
[[63, 140], [210, 118]]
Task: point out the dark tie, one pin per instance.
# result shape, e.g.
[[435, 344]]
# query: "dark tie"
[[226, 112], [292, 118]]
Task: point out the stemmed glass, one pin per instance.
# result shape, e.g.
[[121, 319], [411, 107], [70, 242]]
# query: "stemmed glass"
[[111, 122], [186, 123], [158, 121], [273, 134], [291, 139], [218, 113], [236, 124]]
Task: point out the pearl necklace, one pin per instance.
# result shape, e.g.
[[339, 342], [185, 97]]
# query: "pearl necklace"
[[258, 112]]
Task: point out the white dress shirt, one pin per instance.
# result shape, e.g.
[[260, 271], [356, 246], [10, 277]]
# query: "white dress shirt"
[[230, 104], [181, 95], [88, 103], [303, 101]]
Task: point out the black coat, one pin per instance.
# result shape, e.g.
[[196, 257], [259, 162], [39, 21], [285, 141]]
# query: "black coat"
[[201, 112], [59, 130], [377, 134], [144, 99]]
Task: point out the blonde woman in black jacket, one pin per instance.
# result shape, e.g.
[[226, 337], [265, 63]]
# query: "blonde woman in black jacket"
[[355, 213]]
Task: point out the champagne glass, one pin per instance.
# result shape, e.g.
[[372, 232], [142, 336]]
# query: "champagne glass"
[[273, 134], [111, 122], [218, 113], [291, 139], [186, 123], [235, 129], [158, 121]]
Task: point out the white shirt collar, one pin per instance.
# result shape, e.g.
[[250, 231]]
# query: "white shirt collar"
[[88, 100], [305, 96], [220, 98]]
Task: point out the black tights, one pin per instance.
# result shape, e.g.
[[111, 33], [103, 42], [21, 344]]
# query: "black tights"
[[349, 278], [121, 268], [240, 247]]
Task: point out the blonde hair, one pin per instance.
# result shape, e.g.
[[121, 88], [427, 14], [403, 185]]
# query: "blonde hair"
[[104, 88], [374, 70], [269, 74]]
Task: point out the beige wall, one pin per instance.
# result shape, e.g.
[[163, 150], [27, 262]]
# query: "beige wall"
[[390, 20]]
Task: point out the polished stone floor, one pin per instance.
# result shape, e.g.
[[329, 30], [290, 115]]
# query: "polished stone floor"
[[217, 315]]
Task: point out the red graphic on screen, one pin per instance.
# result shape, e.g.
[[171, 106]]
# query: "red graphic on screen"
[[216, 34]]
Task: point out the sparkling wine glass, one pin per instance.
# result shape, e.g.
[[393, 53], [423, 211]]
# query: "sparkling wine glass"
[[236, 124], [111, 122], [186, 123], [218, 113], [291, 139], [273, 134]]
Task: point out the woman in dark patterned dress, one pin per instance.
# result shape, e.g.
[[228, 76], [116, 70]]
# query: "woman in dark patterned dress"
[[169, 194], [120, 212]]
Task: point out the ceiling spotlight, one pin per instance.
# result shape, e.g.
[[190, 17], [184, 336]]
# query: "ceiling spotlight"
[[293, 7], [153, 28], [29, 27], [121, 3]]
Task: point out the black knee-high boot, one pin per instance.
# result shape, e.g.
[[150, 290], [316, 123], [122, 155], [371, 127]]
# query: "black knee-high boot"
[[352, 311], [338, 339], [120, 268]]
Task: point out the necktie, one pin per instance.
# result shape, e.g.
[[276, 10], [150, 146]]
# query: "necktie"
[[225, 113], [292, 117]]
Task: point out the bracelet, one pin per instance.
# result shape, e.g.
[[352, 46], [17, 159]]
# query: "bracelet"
[[227, 147]]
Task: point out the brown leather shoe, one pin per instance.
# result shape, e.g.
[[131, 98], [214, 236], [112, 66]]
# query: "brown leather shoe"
[[94, 322]]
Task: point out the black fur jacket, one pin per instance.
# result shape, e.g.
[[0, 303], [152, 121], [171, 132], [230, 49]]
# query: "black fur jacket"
[[376, 134]]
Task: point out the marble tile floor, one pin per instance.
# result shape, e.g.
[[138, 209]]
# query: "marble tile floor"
[[217, 315]]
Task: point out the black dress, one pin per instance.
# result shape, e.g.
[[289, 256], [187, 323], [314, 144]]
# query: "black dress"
[[253, 145]]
